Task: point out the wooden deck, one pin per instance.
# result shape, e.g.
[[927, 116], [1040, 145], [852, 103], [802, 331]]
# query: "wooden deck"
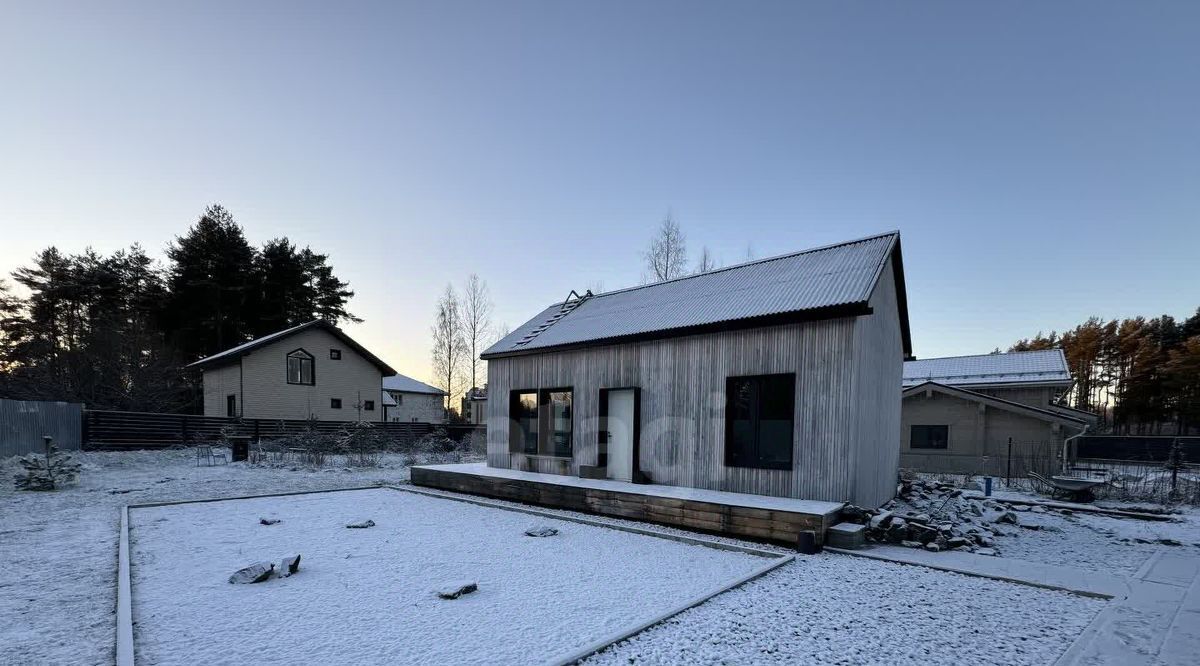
[[757, 517]]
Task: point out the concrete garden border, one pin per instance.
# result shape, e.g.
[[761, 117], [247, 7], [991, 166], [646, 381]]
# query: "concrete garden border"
[[125, 648]]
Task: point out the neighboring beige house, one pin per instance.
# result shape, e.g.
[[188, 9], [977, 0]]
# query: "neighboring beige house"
[[407, 400], [965, 414], [313, 370], [474, 406]]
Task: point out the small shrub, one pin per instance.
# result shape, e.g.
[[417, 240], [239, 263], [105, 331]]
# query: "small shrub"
[[48, 471], [361, 443]]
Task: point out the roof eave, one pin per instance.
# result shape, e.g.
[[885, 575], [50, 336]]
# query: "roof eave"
[[1044, 414], [221, 359]]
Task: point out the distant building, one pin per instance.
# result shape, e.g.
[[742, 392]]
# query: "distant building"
[[313, 370], [964, 414], [474, 406], [407, 400]]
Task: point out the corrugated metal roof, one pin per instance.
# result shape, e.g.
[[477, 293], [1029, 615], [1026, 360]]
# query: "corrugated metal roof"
[[409, 385], [827, 277], [1032, 367]]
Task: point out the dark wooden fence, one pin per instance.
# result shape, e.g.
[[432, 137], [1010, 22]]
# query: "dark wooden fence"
[[104, 430], [1135, 448]]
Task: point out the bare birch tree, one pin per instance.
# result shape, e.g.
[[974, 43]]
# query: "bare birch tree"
[[477, 323], [666, 257], [706, 262], [449, 345]]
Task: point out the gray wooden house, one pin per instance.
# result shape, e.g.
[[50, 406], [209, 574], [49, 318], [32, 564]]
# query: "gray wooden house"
[[776, 377], [994, 414]]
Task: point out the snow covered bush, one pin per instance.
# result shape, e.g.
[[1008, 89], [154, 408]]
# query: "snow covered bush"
[[361, 443], [48, 470]]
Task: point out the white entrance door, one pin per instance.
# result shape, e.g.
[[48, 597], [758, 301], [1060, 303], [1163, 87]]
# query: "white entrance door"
[[620, 434]]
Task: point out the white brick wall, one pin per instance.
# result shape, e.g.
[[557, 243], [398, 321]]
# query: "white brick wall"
[[265, 394]]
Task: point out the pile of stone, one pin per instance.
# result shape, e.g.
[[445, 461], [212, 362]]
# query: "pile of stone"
[[938, 516]]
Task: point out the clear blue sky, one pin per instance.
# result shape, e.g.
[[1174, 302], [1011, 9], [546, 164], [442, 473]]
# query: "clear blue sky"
[[1042, 160]]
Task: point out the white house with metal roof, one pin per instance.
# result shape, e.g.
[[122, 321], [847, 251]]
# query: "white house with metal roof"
[[313, 370], [1039, 378], [774, 377], [407, 400], [993, 414]]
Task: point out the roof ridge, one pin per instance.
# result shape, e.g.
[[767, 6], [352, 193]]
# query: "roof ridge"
[[789, 255]]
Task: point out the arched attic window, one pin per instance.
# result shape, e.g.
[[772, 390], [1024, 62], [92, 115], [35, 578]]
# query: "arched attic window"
[[300, 368]]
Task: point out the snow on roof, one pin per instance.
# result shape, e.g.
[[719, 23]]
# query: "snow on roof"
[[1031, 367], [409, 385], [836, 278]]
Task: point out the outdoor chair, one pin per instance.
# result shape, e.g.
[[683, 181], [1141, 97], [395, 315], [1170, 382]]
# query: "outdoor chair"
[[209, 456]]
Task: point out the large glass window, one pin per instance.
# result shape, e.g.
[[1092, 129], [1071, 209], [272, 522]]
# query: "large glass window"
[[542, 421], [929, 437], [300, 368], [759, 414], [523, 413]]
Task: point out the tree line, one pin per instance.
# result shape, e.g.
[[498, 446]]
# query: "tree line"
[[1141, 375], [114, 331]]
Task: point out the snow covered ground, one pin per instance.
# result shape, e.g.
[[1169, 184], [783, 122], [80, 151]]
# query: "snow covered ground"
[[839, 609], [59, 553], [369, 595], [58, 549]]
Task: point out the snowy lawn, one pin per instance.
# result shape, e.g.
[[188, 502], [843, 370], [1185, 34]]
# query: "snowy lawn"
[[369, 595], [58, 549]]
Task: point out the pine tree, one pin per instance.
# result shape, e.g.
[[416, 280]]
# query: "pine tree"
[[212, 283], [47, 471]]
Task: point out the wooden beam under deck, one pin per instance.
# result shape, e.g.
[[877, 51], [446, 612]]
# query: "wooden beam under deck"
[[725, 518]]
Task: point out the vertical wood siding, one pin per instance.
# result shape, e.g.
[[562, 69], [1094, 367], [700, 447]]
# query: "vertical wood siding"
[[683, 404], [878, 361]]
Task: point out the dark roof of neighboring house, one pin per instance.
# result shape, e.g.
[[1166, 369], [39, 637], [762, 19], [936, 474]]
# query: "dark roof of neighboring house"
[[233, 354], [1047, 366], [405, 384], [825, 282], [1000, 403]]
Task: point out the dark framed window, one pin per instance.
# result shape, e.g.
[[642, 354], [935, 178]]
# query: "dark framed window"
[[335, 403], [369, 405], [542, 422], [399, 398], [300, 368], [558, 409], [759, 413], [929, 437], [231, 405], [523, 415], [335, 354]]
